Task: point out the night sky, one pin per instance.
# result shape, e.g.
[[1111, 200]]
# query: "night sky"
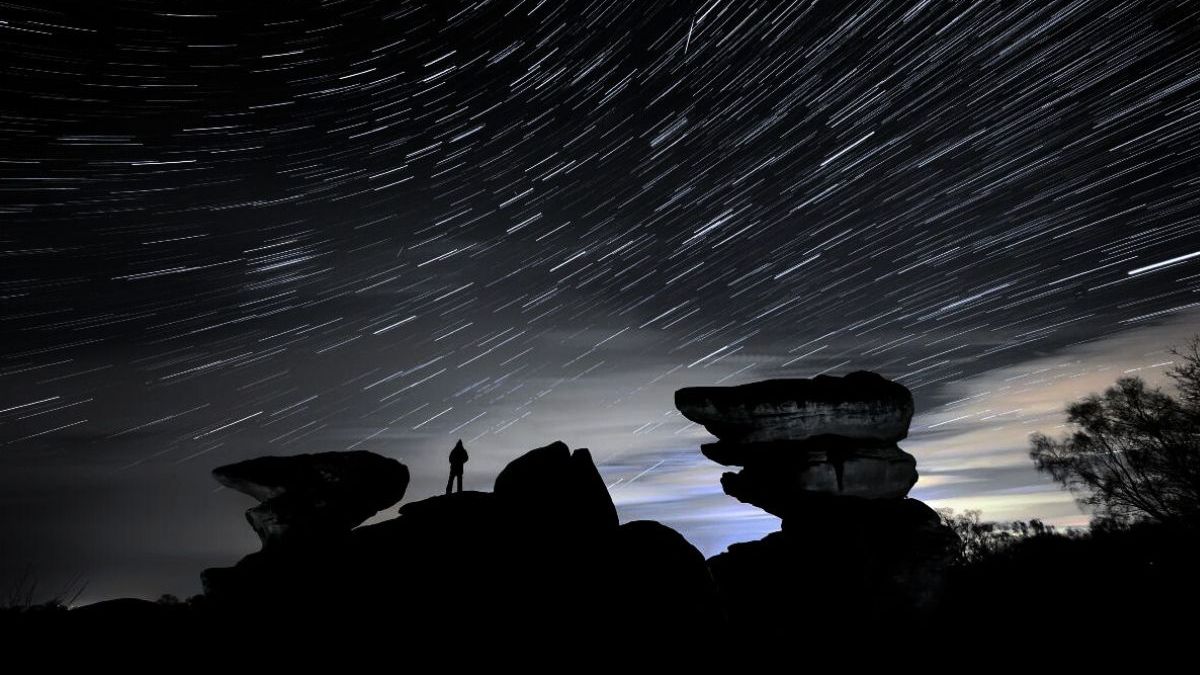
[[233, 229]]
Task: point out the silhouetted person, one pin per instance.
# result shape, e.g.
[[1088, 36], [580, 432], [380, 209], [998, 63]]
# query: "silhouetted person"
[[458, 457]]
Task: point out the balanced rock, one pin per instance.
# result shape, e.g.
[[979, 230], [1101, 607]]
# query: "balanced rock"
[[854, 553], [798, 438], [312, 497], [860, 405]]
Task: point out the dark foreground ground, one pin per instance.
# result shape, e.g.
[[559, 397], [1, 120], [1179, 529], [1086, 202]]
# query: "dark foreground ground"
[[1128, 594]]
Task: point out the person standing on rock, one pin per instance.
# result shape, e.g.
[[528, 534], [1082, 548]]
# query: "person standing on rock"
[[458, 457]]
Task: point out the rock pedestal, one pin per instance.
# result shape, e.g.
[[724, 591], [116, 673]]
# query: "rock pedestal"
[[822, 455]]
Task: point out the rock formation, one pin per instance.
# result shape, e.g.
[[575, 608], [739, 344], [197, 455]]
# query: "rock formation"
[[822, 455], [798, 438], [544, 560], [310, 498], [542, 555], [540, 570]]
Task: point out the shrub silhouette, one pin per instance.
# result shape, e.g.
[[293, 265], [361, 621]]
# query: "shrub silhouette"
[[982, 540]]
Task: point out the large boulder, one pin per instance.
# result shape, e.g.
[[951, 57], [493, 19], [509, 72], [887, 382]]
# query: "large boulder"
[[552, 483], [309, 498], [861, 405]]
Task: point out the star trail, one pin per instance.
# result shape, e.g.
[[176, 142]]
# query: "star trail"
[[233, 229]]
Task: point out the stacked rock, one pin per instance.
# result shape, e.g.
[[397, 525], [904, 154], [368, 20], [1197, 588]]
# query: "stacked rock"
[[822, 455], [797, 438]]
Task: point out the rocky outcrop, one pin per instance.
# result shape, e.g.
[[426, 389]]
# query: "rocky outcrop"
[[542, 555], [543, 559], [822, 455], [541, 564], [310, 498]]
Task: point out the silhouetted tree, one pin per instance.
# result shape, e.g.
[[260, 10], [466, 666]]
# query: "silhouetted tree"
[[985, 539], [1134, 453]]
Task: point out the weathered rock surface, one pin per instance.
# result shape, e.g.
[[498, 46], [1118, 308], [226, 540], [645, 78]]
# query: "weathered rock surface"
[[861, 405], [798, 438], [828, 465], [307, 498], [776, 476]]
